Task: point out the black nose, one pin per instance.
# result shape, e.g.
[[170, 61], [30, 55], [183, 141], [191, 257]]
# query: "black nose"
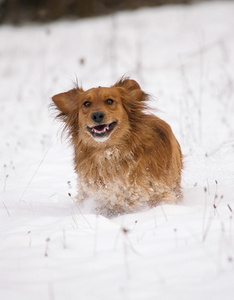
[[98, 116]]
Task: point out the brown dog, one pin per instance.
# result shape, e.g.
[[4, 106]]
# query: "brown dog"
[[125, 159]]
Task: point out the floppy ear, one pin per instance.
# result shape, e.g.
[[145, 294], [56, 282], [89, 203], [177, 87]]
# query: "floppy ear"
[[133, 88], [67, 101], [128, 84]]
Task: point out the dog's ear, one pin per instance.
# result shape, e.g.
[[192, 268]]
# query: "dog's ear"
[[66, 102], [128, 84], [133, 89]]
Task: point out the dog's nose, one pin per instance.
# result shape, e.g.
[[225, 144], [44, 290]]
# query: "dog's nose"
[[98, 116]]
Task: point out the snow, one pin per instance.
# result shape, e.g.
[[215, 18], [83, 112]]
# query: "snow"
[[51, 249]]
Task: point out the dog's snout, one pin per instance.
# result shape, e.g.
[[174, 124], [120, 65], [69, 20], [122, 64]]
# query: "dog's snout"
[[98, 116]]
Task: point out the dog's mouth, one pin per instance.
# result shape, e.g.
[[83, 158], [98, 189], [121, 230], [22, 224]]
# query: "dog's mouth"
[[102, 130]]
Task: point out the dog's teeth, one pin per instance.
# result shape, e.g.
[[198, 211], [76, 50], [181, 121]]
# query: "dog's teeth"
[[100, 129]]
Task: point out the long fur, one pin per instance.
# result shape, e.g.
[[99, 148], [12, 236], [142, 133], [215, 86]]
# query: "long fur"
[[138, 166]]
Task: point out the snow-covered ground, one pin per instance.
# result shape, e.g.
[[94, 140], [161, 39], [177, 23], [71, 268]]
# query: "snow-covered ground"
[[51, 249]]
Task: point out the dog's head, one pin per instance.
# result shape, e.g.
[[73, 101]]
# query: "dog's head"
[[101, 114]]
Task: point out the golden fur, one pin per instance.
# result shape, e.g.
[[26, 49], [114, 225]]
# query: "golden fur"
[[125, 158]]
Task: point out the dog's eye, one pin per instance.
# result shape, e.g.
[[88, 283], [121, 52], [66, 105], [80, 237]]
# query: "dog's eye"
[[87, 103], [109, 101]]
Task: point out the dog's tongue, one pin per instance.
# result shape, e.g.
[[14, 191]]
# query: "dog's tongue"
[[101, 128]]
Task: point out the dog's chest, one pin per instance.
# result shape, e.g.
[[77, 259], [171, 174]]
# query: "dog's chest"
[[110, 167], [114, 166], [115, 180], [111, 155]]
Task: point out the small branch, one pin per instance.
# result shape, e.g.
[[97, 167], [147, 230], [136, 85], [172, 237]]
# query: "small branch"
[[75, 202]]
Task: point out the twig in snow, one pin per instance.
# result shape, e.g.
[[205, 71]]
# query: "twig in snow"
[[164, 212], [75, 202], [125, 231], [5, 178], [230, 208], [230, 223], [6, 208], [69, 184], [37, 169], [189, 105], [47, 247], [4, 189], [73, 217], [118, 233], [205, 229], [30, 239], [227, 144], [208, 186], [127, 244], [215, 198], [134, 224], [215, 209]]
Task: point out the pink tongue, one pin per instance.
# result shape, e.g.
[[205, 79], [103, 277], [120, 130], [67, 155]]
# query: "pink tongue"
[[100, 128]]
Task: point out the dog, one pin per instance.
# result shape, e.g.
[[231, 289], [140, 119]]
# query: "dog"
[[126, 159]]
